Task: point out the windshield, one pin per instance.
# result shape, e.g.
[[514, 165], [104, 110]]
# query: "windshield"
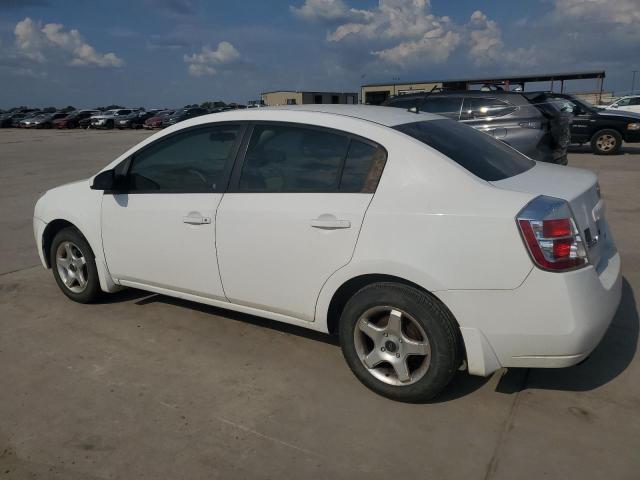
[[479, 153]]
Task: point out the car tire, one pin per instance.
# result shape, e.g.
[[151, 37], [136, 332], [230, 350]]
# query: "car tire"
[[400, 342], [606, 142], [74, 266]]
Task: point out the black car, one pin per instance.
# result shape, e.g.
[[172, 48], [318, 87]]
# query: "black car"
[[184, 114], [604, 130], [11, 119], [135, 119], [540, 132]]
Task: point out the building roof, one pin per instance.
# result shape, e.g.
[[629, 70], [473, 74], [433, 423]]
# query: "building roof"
[[309, 91], [514, 79]]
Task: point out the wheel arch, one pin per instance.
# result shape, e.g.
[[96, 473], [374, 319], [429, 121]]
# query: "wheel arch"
[[50, 232], [348, 288]]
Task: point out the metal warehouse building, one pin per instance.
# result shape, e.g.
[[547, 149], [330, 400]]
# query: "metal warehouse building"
[[291, 97], [376, 93]]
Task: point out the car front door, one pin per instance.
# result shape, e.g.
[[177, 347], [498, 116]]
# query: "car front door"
[[292, 214], [160, 230]]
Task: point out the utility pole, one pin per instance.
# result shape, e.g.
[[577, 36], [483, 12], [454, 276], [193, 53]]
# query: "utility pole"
[[633, 81]]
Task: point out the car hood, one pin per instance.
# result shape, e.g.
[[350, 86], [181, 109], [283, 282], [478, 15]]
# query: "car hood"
[[102, 117], [631, 116]]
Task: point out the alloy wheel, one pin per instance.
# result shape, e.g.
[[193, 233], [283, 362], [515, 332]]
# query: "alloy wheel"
[[72, 266], [392, 345], [606, 142]]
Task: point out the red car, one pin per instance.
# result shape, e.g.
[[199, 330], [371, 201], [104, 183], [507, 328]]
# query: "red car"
[[73, 119], [156, 121]]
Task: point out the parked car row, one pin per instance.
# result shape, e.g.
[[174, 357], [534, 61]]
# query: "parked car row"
[[121, 118], [539, 124]]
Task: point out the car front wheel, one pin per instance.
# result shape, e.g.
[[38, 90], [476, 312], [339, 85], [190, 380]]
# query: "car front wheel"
[[74, 266], [606, 142], [400, 342]]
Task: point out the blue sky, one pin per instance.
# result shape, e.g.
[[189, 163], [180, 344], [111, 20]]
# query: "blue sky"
[[173, 52]]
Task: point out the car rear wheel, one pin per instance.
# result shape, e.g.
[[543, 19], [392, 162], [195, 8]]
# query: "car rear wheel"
[[606, 142], [74, 266], [400, 342]]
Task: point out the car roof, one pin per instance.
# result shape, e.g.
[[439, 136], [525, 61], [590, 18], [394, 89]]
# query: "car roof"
[[386, 116]]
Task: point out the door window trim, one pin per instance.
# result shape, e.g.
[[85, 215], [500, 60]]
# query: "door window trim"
[[222, 186], [234, 183]]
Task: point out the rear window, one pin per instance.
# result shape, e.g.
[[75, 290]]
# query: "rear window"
[[482, 155]]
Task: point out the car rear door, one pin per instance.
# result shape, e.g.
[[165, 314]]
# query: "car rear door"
[[292, 214], [159, 231]]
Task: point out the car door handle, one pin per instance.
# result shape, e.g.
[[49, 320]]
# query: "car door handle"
[[330, 223], [196, 220]]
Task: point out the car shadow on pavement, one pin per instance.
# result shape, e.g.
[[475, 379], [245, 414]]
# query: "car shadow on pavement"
[[611, 358], [237, 316], [586, 148], [461, 385]]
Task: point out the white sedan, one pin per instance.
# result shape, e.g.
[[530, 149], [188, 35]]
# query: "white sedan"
[[427, 246]]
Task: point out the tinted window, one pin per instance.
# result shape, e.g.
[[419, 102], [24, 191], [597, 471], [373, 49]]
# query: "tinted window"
[[634, 101], [474, 108], [193, 161], [405, 103], [362, 168], [292, 159], [479, 153], [449, 106]]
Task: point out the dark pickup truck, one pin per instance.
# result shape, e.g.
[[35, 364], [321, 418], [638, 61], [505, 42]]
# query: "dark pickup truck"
[[604, 130]]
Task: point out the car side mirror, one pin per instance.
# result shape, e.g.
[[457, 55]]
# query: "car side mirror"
[[108, 181], [577, 110], [614, 105]]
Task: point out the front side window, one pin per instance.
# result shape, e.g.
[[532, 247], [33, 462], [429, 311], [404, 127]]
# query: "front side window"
[[482, 155], [283, 158], [477, 107], [193, 161]]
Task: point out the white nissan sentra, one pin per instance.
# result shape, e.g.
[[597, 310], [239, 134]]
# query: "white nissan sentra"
[[427, 246]]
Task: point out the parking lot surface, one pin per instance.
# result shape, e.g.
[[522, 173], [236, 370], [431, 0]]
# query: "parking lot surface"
[[146, 386]]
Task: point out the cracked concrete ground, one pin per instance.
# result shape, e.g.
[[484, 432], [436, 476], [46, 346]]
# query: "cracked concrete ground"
[[146, 386]]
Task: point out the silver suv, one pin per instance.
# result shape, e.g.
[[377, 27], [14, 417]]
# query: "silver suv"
[[538, 129]]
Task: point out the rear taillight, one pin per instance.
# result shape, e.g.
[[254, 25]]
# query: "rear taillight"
[[550, 234]]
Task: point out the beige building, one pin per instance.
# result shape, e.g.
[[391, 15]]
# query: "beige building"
[[291, 97], [377, 93]]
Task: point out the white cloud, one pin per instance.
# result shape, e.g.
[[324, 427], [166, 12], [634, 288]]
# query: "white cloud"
[[208, 60], [324, 10], [51, 42], [435, 46], [623, 12]]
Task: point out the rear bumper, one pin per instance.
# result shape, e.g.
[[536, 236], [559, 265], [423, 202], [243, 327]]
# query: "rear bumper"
[[551, 320]]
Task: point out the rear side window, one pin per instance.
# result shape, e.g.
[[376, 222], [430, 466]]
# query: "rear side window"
[[482, 155], [282, 158], [362, 168], [448, 106], [477, 107]]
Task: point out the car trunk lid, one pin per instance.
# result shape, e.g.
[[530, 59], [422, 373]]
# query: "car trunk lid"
[[578, 187]]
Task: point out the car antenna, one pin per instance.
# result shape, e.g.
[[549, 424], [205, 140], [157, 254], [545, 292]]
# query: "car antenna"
[[416, 108]]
